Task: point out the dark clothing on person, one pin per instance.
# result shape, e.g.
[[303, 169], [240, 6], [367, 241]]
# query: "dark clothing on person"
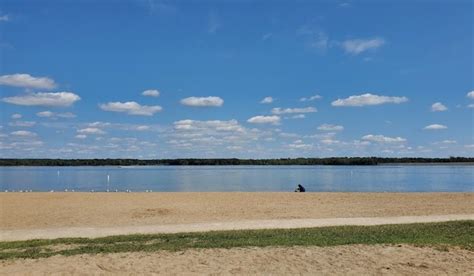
[[300, 189]]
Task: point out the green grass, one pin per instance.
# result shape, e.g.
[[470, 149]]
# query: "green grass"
[[440, 235]]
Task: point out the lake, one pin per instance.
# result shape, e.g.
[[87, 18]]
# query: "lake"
[[395, 178]]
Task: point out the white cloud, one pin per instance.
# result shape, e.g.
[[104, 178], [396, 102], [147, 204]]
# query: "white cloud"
[[298, 116], [383, 139], [45, 114], [438, 107], [231, 125], [299, 145], [27, 81], [91, 130], [23, 133], [267, 100], [330, 141], [264, 120], [288, 135], [470, 106], [203, 101], [44, 99], [151, 93], [22, 124], [142, 128], [368, 99], [447, 142], [435, 127], [99, 124], [131, 108], [4, 18], [65, 115], [329, 127], [309, 99], [211, 136], [357, 46], [279, 111], [16, 116], [54, 115], [470, 95], [81, 136]]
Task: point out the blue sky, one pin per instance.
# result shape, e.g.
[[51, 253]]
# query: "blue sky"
[[246, 79]]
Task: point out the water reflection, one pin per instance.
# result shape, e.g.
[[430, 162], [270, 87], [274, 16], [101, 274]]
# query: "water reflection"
[[437, 178]]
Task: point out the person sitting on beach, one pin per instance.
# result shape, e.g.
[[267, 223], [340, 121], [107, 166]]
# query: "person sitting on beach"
[[300, 189]]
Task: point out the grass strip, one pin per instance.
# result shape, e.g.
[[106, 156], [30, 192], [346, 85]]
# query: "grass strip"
[[440, 235]]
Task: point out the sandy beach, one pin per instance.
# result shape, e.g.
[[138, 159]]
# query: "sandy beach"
[[23, 211], [345, 260], [52, 211]]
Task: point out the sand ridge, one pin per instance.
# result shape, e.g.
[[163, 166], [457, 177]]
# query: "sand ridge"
[[91, 232], [337, 260]]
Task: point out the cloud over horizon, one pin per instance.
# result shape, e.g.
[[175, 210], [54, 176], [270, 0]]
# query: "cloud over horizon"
[[151, 93], [210, 101], [274, 120], [267, 100], [53, 99], [438, 107], [280, 111], [383, 139], [470, 95], [91, 130], [131, 108], [368, 99], [27, 81], [311, 98], [435, 127], [329, 127]]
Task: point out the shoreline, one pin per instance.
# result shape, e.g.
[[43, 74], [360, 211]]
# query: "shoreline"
[[250, 165]]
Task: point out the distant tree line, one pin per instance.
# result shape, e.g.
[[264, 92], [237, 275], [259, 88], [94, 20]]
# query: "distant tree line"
[[230, 161]]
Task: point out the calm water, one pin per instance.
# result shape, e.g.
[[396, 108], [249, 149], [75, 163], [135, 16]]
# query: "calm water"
[[451, 178]]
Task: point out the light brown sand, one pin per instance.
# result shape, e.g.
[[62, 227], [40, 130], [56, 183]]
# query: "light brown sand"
[[56, 210], [346, 260], [95, 232]]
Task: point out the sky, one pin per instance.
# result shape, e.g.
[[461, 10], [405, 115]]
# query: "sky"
[[242, 79]]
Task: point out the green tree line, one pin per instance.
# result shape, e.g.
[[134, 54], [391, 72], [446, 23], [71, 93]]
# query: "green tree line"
[[230, 161]]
